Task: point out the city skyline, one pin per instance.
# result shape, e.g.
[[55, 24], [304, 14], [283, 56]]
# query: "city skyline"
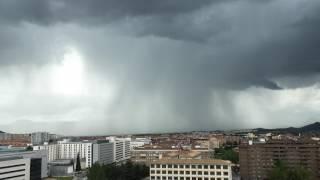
[[109, 67]]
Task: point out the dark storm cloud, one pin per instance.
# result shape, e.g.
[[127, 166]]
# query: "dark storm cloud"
[[289, 51], [171, 60], [47, 12]]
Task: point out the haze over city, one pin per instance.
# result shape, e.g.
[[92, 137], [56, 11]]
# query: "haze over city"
[[109, 67]]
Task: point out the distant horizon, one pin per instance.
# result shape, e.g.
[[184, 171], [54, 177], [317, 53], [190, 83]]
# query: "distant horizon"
[[172, 132]]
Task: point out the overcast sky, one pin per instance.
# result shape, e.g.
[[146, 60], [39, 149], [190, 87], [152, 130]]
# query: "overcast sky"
[[120, 66]]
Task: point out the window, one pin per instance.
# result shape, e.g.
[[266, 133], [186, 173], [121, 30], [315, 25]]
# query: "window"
[[158, 177], [199, 166], [187, 172], [175, 166], [152, 172], [225, 167], [211, 166], [181, 172], [225, 173], [175, 172], [205, 173], [218, 167], [169, 172], [181, 166], [153, 178], [211, 173], [187, 178], [158, 172], [194, 172], [225, 178], [164, 172], [163, 166], [169, 165], [152, 165], [187, 166], [219, 173], [205, 166], [175, 178], [193, 166], [199, 172]]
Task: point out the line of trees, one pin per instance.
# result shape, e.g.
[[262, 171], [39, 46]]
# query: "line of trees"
[[126, 171]]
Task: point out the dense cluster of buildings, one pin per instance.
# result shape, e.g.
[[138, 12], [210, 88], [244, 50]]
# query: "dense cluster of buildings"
[[111, 150], [180, 156]]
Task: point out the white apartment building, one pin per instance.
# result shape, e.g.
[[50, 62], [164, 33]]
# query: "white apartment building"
[[66, 150], [16, 168], [121, 148], [101, 152], [191, 169], [70, 150], [51, 149]]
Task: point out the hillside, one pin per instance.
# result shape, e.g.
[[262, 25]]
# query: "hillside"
[[311, 128]]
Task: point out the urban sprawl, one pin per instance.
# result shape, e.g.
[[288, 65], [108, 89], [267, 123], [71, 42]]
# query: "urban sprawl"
[[217, 155]]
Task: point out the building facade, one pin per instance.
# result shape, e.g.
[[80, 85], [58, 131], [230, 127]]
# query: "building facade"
[[70, 150], [60, 168], [121, 148], [24, 165], [101, 152], [257, 159], [147, 156], [51, 149], [15, 168], [38, 138], [190, 169]]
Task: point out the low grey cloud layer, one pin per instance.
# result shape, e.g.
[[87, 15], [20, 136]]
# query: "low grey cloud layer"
[[149, 66]]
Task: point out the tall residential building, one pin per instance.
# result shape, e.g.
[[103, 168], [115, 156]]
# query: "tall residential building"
[[190, 169], [121, 149], [38, 138], [23, 165], [70, 150], [102, 152], [257, 158], [51, 149]]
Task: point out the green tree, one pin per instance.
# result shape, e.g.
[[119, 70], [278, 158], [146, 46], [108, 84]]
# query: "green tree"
[[78, 164], [29, 148], [227, 154], [282, 172], [96, 172], [126, 171]]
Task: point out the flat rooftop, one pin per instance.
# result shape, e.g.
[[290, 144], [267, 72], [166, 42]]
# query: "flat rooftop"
[[193, 161]]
